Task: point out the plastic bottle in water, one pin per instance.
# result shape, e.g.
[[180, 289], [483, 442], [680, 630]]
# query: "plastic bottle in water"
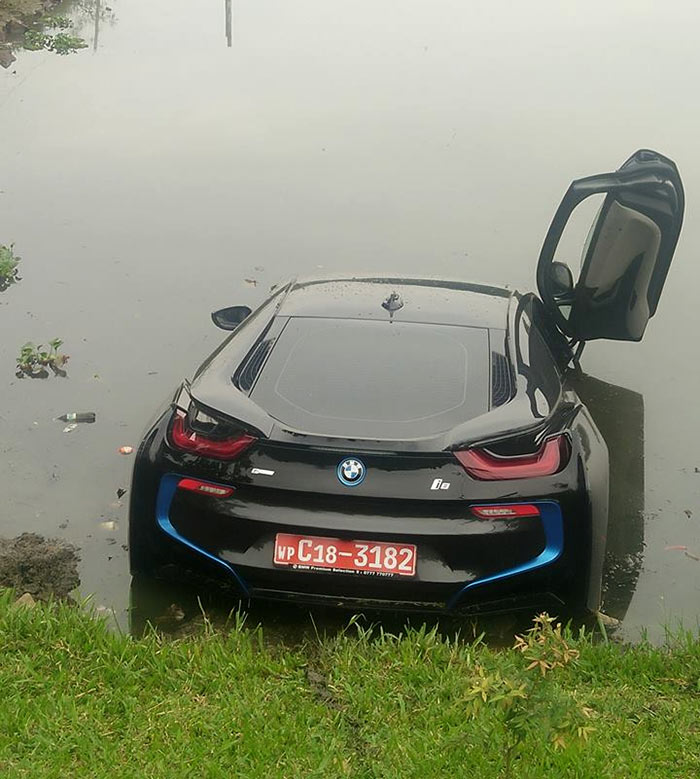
[[78, 416]]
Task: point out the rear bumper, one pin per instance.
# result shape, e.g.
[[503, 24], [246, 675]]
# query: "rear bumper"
[[464, 564], [544, 601]]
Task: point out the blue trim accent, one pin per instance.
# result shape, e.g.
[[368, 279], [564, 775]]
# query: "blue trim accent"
[[166, 493], [553, 526], [341, 477]]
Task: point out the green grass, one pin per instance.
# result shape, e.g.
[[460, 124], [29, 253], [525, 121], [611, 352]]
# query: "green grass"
[[80, 700]]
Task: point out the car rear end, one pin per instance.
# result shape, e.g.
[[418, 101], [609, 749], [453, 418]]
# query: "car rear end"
[[393, 516], [418, 532]]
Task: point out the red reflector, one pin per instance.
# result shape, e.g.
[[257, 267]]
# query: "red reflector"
[[506, 512], [194, 485], [190, 441], [481, 464]]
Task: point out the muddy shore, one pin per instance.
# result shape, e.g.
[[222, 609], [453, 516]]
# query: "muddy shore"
[[16, 17], [44, 568]]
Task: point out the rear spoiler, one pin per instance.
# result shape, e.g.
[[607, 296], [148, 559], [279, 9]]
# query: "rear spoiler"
[[238, 408], [213, 387]]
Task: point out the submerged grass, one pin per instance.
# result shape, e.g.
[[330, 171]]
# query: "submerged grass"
[[80, 700]]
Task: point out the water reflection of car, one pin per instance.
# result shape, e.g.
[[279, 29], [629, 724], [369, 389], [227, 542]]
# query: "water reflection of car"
[[410, 443], [619, 416]]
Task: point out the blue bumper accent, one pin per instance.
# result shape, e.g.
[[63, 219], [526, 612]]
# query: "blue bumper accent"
[[550, 516], [166, 493], [553, 526]]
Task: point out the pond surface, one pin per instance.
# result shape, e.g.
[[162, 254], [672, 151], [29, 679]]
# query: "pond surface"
[[175, 167]]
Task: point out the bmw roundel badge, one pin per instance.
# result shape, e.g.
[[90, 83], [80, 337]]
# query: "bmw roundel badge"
[[351, 472]]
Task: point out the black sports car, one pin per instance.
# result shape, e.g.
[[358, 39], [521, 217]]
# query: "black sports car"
[[410, 443]]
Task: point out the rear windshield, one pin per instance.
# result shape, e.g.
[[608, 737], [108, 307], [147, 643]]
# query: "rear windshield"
[[374, 379]]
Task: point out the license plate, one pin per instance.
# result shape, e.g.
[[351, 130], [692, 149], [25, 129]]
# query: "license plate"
[[335, 554]]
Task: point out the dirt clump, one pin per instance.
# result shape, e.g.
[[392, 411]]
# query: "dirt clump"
[[16, 14], [42, 567]]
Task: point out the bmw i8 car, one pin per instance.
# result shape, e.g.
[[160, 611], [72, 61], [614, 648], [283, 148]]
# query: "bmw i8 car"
[[409, 443]]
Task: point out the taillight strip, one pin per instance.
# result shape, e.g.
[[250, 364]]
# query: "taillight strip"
[[182, 437], [486, 466]]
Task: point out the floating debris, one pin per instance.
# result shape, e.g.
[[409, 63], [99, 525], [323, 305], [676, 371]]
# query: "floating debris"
[[78, 416], [125, 449], [682, 548], [109, 524]]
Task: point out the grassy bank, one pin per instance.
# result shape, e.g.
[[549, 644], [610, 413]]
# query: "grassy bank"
[[79, 700]]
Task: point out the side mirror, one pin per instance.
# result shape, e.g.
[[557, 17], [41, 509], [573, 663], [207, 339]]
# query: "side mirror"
[[561, 280], [229, 318]]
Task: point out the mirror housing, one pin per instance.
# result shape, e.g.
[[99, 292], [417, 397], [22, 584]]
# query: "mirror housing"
[[561, 279], [229, 318]]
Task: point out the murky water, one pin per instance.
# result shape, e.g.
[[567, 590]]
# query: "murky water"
[[163, 173]]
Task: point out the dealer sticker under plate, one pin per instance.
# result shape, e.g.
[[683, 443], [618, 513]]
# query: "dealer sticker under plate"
[[312, 553]]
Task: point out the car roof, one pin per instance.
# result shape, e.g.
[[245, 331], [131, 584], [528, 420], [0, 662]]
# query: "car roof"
[[434, 301], [429, 301]]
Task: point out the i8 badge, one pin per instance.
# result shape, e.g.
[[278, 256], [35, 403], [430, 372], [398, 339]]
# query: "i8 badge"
[[351, 472]]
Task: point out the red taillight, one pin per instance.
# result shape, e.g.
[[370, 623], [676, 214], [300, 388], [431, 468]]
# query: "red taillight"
[[220, 449], [204, 488], [513, 511], [482, 464]]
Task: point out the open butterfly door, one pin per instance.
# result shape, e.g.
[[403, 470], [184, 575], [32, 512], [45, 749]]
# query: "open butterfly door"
[[626, 256]]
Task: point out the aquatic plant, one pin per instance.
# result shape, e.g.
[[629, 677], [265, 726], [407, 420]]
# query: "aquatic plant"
[[34, 359], [23, 25], [37, 39], [57, 21], [61, 43], [8, 266]]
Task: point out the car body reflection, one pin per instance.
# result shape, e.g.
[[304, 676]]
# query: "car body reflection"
[[619, 415]]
